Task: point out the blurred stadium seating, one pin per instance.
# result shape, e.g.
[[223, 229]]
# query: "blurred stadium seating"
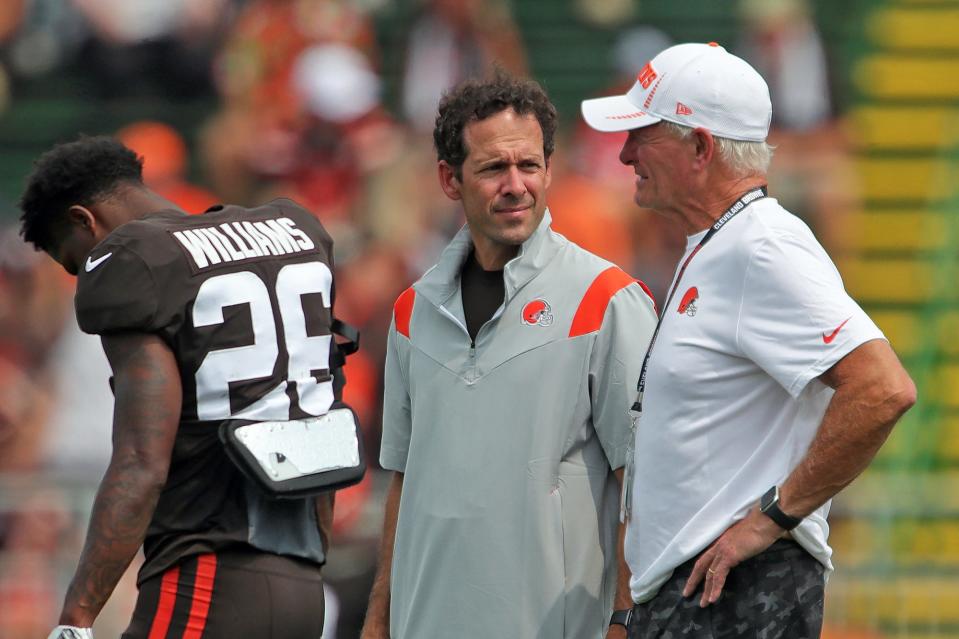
[[877, 177], [896, 529]]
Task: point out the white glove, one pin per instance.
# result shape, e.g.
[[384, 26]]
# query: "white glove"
[[71, 632]]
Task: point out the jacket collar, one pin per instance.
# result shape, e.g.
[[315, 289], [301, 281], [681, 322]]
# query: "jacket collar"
[[443, 280]]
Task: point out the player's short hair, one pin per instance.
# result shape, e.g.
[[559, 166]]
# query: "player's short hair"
[[475, 100], [79, 172]]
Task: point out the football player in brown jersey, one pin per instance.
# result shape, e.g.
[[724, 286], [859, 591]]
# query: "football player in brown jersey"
[[206, 320]]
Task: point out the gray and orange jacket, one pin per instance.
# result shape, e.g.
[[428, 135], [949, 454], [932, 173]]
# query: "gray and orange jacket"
[[508, 516]]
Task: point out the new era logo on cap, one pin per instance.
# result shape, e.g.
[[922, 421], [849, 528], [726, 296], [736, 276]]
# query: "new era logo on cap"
[[696, 85]]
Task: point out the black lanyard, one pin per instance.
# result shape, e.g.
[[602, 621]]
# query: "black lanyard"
[[747, 199]]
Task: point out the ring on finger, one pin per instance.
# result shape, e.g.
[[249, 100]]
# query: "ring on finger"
[[711, 571]]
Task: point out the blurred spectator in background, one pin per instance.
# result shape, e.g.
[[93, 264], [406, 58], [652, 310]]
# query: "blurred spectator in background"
[[338, 93], [11, 17], [40, 35], [24, 407], [165, 158], [62, 427], [161, 47], [76, 441], [33, 306], [605, 13], [256, 136], [54, 432], [813, 175], [34, 299], [450, 41], [782, 42], [29, 537]]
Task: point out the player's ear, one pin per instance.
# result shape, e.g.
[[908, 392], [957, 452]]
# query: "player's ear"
[[449, 181], [82, 217]]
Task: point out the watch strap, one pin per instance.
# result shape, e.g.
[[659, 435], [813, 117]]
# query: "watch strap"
[[621, 617], [774, 512]]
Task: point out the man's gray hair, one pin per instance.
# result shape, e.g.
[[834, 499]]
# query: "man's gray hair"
[[742, 157]]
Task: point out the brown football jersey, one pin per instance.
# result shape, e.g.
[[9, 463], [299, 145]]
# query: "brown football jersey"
[[243, 298]]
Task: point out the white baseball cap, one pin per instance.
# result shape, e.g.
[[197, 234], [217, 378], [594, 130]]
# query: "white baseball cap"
[[696, 85]]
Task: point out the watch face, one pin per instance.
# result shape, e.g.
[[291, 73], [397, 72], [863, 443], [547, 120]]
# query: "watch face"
[[768, 499]]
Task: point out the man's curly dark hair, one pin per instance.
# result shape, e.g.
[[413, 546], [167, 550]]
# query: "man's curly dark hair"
[[474, 100], [79, 172]]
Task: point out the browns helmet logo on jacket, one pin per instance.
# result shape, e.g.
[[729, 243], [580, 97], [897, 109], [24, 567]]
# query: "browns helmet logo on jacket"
[[537, 313], [688, 303]]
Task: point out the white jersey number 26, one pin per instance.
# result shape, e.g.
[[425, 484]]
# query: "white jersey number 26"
[[257, 360]]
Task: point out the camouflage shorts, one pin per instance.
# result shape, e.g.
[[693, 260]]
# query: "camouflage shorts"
[[778, 594]]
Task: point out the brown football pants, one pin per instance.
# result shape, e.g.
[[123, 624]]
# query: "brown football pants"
[[236, 593]]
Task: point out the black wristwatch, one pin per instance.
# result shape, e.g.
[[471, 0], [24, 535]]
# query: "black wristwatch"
[[621, 618], [769, 505]]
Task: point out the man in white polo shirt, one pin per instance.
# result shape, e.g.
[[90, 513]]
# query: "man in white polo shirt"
[[766, 388]]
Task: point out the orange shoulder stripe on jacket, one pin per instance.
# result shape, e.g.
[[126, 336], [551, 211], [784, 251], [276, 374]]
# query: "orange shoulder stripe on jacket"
[[649, 294], [403, 311], [592, 308]]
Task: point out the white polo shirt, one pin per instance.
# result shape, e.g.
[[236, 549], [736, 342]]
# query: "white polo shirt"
[[732, 398]]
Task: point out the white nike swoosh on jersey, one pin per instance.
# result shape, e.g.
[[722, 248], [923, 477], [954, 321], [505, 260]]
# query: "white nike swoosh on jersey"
[[92, 264]]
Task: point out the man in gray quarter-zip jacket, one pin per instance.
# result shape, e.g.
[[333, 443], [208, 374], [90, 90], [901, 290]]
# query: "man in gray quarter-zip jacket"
[[510, 371]]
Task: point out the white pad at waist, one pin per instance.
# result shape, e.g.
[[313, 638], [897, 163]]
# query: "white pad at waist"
[[285, 450]]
